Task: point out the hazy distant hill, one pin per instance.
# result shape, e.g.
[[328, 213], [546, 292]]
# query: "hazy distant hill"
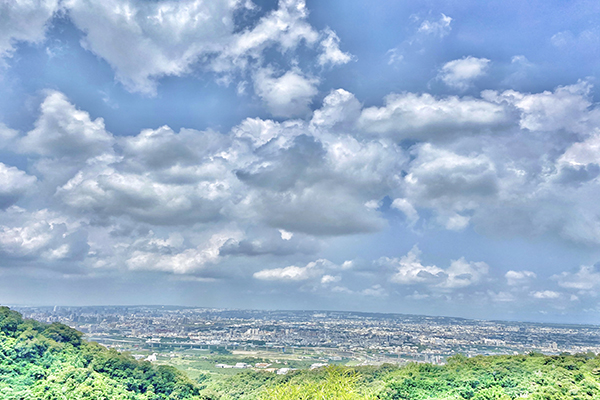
[[50, 361]]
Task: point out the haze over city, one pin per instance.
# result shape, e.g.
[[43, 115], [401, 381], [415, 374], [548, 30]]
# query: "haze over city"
[[433, 158]]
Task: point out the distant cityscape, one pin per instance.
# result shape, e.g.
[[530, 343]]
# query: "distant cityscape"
[[364, 338]]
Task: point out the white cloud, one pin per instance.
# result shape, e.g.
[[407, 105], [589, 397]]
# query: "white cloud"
[[567, 107], [545, 295], [63, 131], [410, 271], [409, 211], [462, 273], [375, 291], [288, 95], [331, 54], [260, 132], [427, 30], [439, 28], [144, 41], [450, 183], [328, 279], [109, 192], [177, 260], [340, 110], [320, 188], [7, 136], [319, 272], [348, 264], [424, 116], [285, 27], [285, 235], [586, 278], [162, 148], [24, 20], [394, 56], [460, 74], [265, 241], [582, 153], [310, 180], [514, 278], [20, 241], [291, 273], [13, 185], [39, 236]]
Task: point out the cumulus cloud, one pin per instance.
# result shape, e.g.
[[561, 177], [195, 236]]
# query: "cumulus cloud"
[[40, 237], [312, 270], [264, 170], [583, 153], [411, 271], [147, 41], [340, 110], [260, 132], [288, 95], [331, 53], [545, 295], [162, 148], [289, 186], [144, 41], [567, 107], [586, 278], [329, 279], [279, 243], [425, 117], [321, 275], [109, 192], [515, 278], [63, 131], [285, 27], [13, 185], [305, 188], [168, 256], [24, 21], [460, 74], [291, 273], [450, 183]]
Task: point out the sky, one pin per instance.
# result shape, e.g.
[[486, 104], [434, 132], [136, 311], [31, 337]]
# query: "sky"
[[422, 157]]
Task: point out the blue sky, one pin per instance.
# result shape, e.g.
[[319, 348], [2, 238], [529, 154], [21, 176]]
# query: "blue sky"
[[435, 157]]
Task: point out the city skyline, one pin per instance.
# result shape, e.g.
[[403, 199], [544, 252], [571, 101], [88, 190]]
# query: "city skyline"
[[427, 158]]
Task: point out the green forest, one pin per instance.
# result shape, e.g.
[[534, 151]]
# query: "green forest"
[[51, 361]]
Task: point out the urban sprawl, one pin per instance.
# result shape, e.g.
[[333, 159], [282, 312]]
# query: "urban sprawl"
[[280, 340]]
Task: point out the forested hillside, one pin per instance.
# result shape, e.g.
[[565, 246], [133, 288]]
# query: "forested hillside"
[[51, 361]]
